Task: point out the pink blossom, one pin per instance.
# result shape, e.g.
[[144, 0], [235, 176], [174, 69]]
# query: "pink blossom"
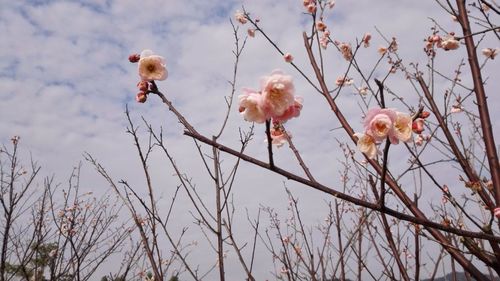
[[251, 32], [288, 57], [291, 112], [152, 67], [449, 43], [240, 17], [343, 81], [323, 41], [382, 50], [331, 4], [278, 136], [366, 40], [251, 106], [321, 26], [346, 51], [379, 123], [363, 90], [418, 125], [277, 93], [366, 144], [456, 108], [311, 8], [402, 127], [490, 53]]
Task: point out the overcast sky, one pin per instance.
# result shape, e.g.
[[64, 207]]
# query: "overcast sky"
[[65, 81]]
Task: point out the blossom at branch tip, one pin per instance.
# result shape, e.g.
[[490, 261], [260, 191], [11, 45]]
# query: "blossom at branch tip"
[[366, 40], [367, 145], [250, 106], [151, 67], [382, 50], [240, 17], [277, 93], [490, 53], [331, 4]]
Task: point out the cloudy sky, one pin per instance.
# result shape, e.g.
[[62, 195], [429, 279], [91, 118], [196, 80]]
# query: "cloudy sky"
[[65, 81]]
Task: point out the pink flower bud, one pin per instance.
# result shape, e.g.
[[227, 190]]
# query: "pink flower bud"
[[288, 57], [425, 114], [497, 212], [133, 58], [143, 86], [251, 32], [141, 97], [418, 126]]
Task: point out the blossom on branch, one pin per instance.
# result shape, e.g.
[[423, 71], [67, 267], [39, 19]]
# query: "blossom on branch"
[[366, 144], [277, 93], [152, 67], [251, 106], [449, 43], [490, 53], [240, 17]]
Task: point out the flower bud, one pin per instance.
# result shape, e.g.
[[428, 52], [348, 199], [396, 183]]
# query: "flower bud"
[[133, 58], [141, 97], [143, 86], [425, 114]]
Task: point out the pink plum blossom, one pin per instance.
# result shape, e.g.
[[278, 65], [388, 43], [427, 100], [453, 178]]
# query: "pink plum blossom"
[[343, 81], [402, 127], [346, 51], [419, 140], [379, 123], [278, 136], [490, 53], [449, 43], [251, 106], [382, 50], [277, 93], [456, 108], [321, 26], [251, 32], [311, 8], [366, 144], [366, 40], [240, 17], [291, 112], [151, 67]]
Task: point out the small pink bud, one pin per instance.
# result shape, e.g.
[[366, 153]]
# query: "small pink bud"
[[321, 26], [143, 86], [288, 57], [497, 212], [425, 114], [133, 58], [141, 97], [418, 126]]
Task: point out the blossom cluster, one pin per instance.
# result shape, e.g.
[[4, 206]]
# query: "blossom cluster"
[[150, 67], [385, 123], [447, 43], [275, 101]]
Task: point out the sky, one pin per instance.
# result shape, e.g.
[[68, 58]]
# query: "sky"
[[65, 82]]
